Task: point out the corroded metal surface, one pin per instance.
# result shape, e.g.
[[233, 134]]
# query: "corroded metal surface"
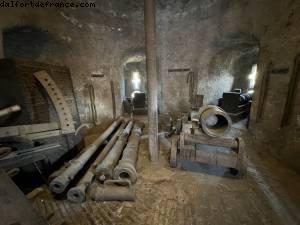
[[63, 111], [125, 170], [109, 145], [77, 194], [60, 183], [112, 190], [104, 170], [215, 122]]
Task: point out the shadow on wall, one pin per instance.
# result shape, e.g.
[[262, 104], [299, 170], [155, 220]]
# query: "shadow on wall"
[[25, 42], [232, 63]]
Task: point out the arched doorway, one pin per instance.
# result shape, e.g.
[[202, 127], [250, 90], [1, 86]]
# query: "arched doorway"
[[134, 89], [235, 64]]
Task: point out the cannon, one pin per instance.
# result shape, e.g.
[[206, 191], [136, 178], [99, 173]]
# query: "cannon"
[[59, 184], [226, 152], [126, 166], [215, 122], [112, 190], [105, 169]]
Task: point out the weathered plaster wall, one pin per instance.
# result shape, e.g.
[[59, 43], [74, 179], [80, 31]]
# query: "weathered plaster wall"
[[221, 40], [279, 44], [214, 39], [85, 40]]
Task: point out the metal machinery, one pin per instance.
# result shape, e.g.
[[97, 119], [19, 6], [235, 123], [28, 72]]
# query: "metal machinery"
[[236, 104], [205, 141], [215, 122], [125, 170], [136, 104], [42, 130], [38, 117]]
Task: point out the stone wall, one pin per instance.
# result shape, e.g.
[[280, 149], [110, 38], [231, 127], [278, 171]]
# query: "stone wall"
[[212, 38], [280, 43], [88, 41], [221, 40]]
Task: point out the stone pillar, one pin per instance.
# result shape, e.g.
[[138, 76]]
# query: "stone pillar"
[[152, 86]]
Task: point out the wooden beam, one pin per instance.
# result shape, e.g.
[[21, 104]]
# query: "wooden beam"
[[206, 140], [152, 83]]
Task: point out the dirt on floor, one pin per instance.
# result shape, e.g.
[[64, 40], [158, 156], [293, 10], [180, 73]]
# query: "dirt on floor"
[[196, 194]]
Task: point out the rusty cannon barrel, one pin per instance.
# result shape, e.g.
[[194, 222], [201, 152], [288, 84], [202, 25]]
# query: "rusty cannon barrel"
[[59, 184], [77, 194], [109, 145], [105, 169], [215, 122], [112, 190], [125, 170]]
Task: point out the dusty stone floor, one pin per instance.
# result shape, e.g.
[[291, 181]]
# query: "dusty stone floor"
[[199, 194]]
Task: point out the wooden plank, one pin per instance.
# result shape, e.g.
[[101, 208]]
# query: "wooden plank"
[[24, 130], [42, 135], [203, 139], [14, 207], [291, 92]]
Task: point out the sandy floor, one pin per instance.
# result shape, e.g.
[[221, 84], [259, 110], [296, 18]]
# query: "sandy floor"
[[198, 194]]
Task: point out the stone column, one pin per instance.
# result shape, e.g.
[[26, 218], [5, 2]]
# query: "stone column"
[[150, 34]]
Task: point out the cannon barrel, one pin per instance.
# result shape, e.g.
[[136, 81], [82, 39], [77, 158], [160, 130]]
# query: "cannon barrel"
[[104, 170], [112, 190], [59, 184], [215, 122], [77, 194], [126, 167]]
